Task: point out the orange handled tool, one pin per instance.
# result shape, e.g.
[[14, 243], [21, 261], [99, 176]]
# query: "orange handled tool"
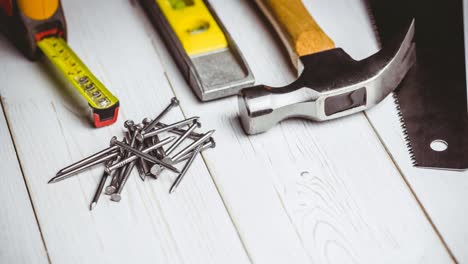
[[27, 21], [38, 27]]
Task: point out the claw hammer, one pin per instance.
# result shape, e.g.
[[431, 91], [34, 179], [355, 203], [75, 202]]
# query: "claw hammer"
[[331, 84]]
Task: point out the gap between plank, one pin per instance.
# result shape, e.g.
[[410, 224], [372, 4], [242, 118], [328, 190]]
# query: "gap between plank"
[[209, 171], [400, 172], [24, 177], [402, 175], [286, 212], [438, 234], [155, 48]]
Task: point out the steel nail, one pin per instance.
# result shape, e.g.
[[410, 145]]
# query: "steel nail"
[[156, 169], [180, 131], [113, 185], [146, 169], [210, 143], [142, 136], [195, 124], [87, 159], [134, 131], [178, 142], [160, 152], [185, 169], [144, 151], [146, 121], [142, 165], [190, 147], [116, 176], [145, 164], [102, 182], [115, 196], [129, 124], [68, 174], [143, 155], [174, 102], [140, 169]]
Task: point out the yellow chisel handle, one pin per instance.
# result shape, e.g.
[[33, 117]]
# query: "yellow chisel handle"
[[196, 28], [298, 30]]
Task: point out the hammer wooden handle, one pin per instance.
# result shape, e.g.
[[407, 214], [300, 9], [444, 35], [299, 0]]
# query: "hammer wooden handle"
[[298, 30]]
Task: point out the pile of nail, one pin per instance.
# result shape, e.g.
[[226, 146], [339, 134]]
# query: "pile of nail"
[[144, 148]]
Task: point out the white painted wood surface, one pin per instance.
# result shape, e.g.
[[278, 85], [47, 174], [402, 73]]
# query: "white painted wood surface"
[[149, 225], [301, 193], [340, 168], [443, 194], [20, 237]]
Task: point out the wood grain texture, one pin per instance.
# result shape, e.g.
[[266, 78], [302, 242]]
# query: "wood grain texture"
[[297, 29], [20, 238], [342, 198], [441, 193], [51, 131], [301, 193]]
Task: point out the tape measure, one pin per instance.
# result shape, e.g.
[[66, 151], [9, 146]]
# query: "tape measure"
[[104, 104], [39, 25]]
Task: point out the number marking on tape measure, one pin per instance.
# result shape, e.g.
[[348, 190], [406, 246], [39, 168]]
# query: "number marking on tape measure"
[[63, 57]]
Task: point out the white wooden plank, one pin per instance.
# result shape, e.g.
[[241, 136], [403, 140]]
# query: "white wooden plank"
[[20, 239], [441, 193], [438, 191], [345, 200], [149, 225]]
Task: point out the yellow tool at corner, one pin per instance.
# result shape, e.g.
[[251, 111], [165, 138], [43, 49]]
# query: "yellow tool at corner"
[[39, 25], [194, 25], [57, 50], [38, 10]]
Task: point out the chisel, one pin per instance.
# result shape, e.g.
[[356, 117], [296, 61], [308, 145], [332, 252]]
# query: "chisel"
[[207, 56]]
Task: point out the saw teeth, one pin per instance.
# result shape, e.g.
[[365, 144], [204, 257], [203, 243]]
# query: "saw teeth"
[[405, 132], [373, 22]]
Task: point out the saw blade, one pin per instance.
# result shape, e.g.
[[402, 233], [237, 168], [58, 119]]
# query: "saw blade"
[[432, 99]]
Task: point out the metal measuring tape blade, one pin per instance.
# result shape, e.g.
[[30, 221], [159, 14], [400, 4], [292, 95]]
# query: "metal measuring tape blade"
[[104, 104]]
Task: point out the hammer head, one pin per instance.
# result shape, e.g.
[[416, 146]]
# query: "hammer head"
[[331, 85]]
